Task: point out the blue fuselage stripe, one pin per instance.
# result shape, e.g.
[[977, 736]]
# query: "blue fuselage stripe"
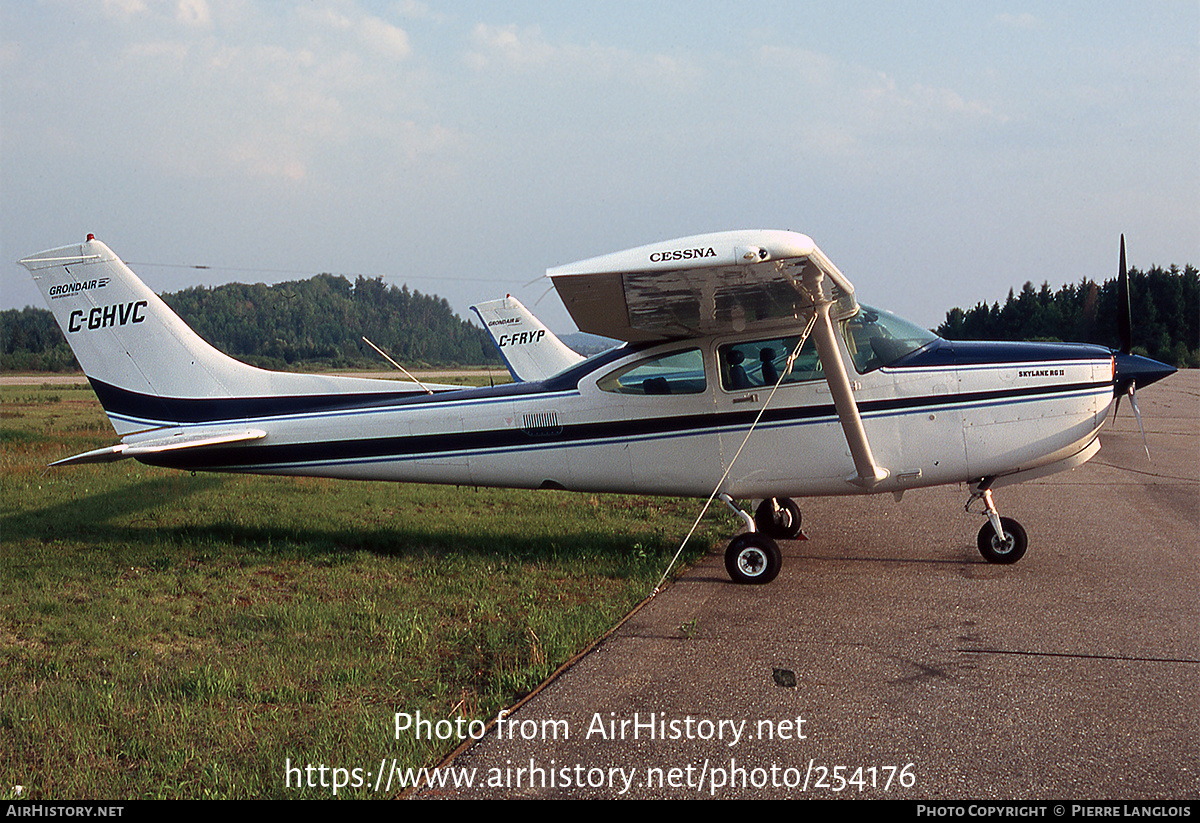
[[494, 441]]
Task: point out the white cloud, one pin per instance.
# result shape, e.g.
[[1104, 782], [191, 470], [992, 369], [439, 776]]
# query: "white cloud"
[[171, 50], [509, 46], [801, 65], [124, 8], [414, 10], [10, 53], [378, 35], [524, 49], [863, 99], [948, 101], [212, 90], [384, 38], [259, 159], [190, 13]]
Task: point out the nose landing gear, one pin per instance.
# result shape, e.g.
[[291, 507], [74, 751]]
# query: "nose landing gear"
[[1002, 539]]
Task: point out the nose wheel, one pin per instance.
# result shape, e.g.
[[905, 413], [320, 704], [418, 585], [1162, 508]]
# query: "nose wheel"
[[1008, 548], [753, 557], [1001, 540]]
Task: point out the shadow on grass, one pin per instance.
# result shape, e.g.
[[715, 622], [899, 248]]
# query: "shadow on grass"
[[88, 517], [407, 540], [132, 517]]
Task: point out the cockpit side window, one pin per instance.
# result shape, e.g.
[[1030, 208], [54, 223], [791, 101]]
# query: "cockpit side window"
[[878, 338], [678, 372], [756, 363]]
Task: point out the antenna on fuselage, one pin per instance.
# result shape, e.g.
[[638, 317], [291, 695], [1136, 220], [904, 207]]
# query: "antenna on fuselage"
[[384, 355]]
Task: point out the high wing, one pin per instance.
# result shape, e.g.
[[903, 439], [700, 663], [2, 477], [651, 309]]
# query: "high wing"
[[728, 281], [701, 285]]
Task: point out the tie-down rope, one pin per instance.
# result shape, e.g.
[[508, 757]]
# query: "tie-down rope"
[[788, 370]]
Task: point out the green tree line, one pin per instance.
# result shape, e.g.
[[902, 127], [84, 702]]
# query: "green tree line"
[[1165, 308], [318, 322]]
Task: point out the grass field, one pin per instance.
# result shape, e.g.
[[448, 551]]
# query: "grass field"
[[186, 636]]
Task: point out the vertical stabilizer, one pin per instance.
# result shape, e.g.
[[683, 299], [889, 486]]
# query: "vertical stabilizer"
[[140, 357], [122, 333], [529, 349]]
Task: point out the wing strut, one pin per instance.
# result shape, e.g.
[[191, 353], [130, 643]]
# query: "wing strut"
[[869, 473]]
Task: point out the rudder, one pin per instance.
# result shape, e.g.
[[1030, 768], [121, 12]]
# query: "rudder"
[[529, 349]]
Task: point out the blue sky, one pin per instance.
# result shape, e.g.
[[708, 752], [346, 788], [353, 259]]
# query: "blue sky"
[[939, 153]]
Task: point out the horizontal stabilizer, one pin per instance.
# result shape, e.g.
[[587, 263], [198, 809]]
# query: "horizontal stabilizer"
[[176, 442]]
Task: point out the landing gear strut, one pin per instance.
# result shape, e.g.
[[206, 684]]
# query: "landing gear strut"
[[753, 557], [1002, 539]]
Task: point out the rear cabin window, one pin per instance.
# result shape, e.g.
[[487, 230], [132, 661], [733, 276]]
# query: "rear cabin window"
[[680, 372], [756, 363]]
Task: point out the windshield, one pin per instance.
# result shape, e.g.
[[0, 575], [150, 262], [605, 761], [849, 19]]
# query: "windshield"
[[878, 338]]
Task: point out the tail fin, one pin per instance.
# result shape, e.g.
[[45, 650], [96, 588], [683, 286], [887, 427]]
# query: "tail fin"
[[141, 357], [122, 333], [530, 350]]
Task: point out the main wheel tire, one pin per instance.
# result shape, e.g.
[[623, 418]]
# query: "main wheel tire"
[[753, 558], [782, 523], [1009, 550]]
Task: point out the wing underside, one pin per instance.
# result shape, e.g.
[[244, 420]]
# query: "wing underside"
[[702, 285]]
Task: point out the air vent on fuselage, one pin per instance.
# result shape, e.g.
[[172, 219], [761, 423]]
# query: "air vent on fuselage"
[[542, 424]]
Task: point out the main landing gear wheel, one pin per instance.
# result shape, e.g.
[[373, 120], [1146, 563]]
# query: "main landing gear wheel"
[[993, 547], [1010, 549], [753, 558], [778, 518]]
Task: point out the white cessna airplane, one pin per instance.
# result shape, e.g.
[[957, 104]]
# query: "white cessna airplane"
[[749, 371]]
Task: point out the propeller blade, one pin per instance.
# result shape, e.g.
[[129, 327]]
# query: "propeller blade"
[[1125, 311]]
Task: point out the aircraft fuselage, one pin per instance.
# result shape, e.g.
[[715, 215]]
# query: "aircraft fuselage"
[[946, 413]]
